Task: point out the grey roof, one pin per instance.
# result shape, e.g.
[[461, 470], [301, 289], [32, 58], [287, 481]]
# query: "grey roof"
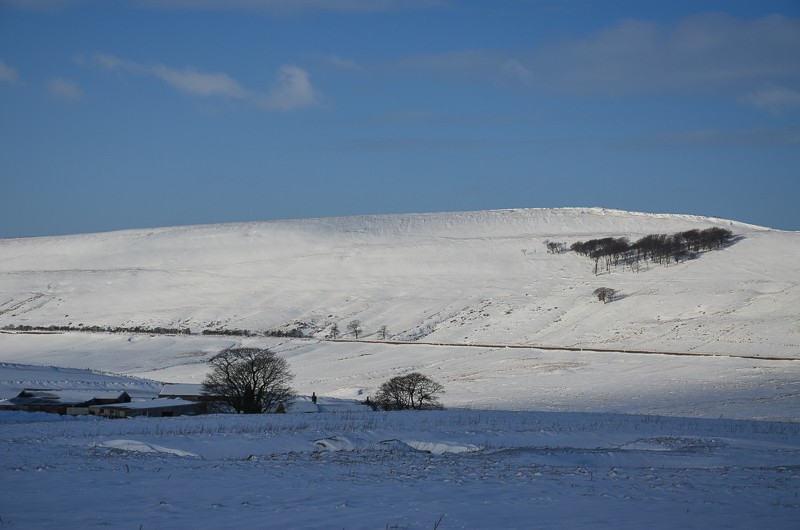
[[65, 398], [151, 404], [181, 389]]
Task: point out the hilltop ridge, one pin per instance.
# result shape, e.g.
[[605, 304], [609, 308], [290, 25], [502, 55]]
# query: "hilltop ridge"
[[457, 277]]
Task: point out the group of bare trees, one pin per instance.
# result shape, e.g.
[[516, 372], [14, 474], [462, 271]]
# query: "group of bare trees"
[[355, 329], [256, 380], [658, 248], [413, 391], [555, 247]]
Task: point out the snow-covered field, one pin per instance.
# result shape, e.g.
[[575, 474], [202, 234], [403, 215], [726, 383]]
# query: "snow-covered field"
[[363, 469], [495, 378], [589, 437]]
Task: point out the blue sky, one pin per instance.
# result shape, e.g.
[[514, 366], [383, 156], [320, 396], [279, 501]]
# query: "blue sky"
[[142, 113]]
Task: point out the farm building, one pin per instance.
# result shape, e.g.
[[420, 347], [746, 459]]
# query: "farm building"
[[74, 402], [187, 391], [154, 408]]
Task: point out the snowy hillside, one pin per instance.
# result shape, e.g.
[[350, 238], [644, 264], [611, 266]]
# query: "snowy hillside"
[[453, 290], [473, 277]]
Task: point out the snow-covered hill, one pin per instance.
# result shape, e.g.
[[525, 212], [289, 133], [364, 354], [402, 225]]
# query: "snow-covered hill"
[[453, 290], [471, 277]]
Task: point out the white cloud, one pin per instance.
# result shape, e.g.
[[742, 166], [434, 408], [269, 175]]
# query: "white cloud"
[[8, 74], [64, 89], [514, 70], [701, 54], [343, 63], [293, 89], [191, 81], [109, 62], [775, 99]]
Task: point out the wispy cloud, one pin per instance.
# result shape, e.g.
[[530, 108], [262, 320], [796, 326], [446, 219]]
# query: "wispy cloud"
[[461, 63], [264, 6], [46, 6], [409, 144], [8, 74], [290, 6], [343, 63], [775, 99], [192, 81], [65, 89], [714, 138], [292, 89], [702, 54]]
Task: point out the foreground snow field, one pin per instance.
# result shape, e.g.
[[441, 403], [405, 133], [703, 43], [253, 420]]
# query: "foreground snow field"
[[363, 469], [338, 464]]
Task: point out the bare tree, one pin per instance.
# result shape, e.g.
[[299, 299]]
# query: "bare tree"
[[354, 327], [384, 331], [334, 333], [605, 294], [413, 391], [251, 380]]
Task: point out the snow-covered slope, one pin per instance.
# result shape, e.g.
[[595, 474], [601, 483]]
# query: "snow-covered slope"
[[471, 277], [439, 282]]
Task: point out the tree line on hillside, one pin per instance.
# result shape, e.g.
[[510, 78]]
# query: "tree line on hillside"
[[158, 330], [234, 332], [658, 248]]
